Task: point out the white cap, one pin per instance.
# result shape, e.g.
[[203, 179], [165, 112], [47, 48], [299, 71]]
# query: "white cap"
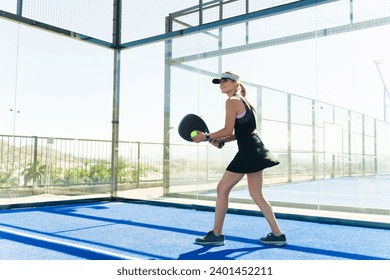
[[225, 75]]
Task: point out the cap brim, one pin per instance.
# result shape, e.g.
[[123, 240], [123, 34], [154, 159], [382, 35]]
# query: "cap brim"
[[216, 81]]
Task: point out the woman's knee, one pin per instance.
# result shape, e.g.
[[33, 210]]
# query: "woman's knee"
[[223, 190], [256, 194]]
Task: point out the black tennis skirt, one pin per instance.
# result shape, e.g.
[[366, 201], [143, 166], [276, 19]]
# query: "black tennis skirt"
[[252, 156]]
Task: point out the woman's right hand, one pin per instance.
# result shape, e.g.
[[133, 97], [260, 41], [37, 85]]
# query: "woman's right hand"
[[218, 143]]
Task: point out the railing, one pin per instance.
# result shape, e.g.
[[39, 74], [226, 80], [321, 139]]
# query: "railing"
[[42, 162]]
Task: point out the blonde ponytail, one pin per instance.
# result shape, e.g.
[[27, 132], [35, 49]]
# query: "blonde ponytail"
[[243, 93], [243, 90]]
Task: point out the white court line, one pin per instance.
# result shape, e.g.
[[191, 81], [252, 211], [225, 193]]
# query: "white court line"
[[68, 244]]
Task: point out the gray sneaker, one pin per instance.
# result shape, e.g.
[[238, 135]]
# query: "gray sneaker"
[[272, 239], [211, 239]]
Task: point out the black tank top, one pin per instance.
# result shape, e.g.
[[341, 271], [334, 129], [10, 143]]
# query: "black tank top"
[[245, 126]]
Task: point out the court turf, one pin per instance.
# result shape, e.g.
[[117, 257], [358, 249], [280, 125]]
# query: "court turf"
[[123, 230]]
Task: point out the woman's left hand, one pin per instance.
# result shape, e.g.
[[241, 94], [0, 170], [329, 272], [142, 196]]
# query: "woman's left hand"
[[200, 137]]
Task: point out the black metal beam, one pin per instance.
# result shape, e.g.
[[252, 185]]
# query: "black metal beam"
[[54, 29]]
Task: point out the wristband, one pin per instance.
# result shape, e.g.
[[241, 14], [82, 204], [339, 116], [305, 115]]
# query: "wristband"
[[207, 137]]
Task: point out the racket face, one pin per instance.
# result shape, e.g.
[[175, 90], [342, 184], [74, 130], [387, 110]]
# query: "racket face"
[[190, 123]]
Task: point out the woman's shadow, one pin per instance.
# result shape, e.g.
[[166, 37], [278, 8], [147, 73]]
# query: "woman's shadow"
[[227, 254]]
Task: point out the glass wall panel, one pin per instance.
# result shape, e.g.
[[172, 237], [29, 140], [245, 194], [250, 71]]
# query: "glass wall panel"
[[274, 134], [301, 110], [301, 138], [55, 117], [277, 112]]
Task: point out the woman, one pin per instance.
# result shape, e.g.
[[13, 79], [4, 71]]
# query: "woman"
[[251, 159]]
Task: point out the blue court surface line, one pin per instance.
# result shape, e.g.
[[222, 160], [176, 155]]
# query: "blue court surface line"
[[123, 230]]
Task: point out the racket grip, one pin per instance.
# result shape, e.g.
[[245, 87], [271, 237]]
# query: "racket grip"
[[221, 144]]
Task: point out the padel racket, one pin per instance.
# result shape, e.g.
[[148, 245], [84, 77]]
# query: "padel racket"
[[190, 123]]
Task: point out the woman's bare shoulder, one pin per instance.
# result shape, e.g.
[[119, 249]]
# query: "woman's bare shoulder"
[[235, 103]]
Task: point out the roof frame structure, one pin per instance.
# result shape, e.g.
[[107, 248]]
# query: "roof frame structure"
[[170, 34]]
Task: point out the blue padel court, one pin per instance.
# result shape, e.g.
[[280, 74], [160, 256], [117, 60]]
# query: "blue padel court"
[[135, 230]]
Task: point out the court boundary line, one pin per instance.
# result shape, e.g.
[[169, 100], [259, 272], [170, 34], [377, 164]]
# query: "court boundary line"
[[198, 207], [107, 254]]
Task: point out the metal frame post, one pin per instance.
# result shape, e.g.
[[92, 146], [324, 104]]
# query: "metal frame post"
[[375, 148], [289, 148], [220, 38], [19, 8], [385, 90], [363, 145], [167, 107], [259, 109], [314, 140], [349, 143], [116, 38]]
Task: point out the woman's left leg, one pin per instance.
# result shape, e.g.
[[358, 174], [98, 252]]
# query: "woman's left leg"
[[215, 236], [225, 185]]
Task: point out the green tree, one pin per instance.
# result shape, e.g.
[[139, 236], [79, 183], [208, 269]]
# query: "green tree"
[[100, 174], [56, 175], [34, 172], [6, 179], [124, 171], [77, 175]]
